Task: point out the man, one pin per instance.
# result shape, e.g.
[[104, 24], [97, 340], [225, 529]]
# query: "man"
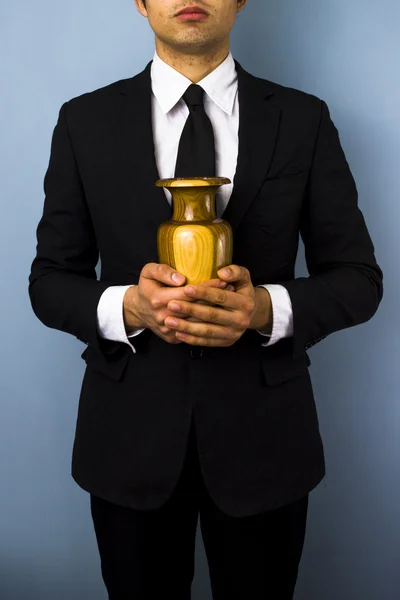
[[199, 401]]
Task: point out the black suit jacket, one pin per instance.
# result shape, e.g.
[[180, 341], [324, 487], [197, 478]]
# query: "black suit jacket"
[[257, 427]]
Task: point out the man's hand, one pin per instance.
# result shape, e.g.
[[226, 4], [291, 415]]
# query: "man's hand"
[[145, 305], [225, 315]]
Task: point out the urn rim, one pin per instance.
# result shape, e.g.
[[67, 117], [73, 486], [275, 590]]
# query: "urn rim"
[[178, 182]]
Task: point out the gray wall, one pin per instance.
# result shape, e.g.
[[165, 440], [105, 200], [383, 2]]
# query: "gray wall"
[[346, 52]]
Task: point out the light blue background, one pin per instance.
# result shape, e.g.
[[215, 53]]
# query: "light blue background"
[[344, 51]]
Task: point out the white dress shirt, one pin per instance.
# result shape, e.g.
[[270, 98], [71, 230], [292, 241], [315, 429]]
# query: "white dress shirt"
[[169, 114]]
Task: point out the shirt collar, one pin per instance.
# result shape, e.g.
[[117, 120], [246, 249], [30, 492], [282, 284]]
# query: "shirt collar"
[[169, 85]]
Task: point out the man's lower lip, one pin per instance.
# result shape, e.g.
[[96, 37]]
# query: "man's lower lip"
[[192, 17]]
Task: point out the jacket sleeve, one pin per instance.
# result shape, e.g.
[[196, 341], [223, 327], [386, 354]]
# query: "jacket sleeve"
[[63, 287], [344, 287]]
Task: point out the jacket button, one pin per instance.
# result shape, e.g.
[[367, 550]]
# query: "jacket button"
[[196, 352]]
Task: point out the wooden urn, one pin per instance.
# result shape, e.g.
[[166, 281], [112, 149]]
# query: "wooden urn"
[[195, 242]]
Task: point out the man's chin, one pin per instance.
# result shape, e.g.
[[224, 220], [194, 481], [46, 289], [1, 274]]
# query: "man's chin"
[[191, 46]]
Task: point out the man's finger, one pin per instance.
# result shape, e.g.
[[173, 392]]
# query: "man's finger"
[[235, 273], [199, 329], [224, 298], [199, 312], [215, 283], [194, 340], [163, 274], [166, 294]]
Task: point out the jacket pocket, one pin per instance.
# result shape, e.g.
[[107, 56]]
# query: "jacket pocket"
[[289, 177], [113, 366], [277, 369]]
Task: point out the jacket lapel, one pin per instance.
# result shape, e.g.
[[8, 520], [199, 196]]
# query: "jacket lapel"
[[258, 130], [136, 147]]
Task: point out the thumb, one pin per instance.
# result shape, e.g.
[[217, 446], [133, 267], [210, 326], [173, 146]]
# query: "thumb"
[[163, 273], [236, 275], [177, 278]]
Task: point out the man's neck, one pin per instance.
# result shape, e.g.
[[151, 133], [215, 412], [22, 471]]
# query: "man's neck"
[[193, 66]]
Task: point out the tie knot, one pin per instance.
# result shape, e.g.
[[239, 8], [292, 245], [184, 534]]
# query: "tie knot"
[[194, 96]]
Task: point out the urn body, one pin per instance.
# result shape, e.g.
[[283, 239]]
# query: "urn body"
[[195, 242]]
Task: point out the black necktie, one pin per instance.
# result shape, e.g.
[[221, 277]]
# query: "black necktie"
[[196, 152]]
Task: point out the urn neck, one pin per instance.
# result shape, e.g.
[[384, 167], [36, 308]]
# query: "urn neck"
[[193, 198], [194, 203]]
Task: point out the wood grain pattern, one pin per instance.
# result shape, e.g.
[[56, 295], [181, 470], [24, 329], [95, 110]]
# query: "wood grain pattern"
[[195, 242]]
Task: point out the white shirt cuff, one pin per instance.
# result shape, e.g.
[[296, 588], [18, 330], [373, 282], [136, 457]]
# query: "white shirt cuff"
[[110, 316], [282, 324]]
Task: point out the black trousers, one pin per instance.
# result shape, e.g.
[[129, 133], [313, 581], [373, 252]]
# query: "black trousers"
[[149, 555]]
